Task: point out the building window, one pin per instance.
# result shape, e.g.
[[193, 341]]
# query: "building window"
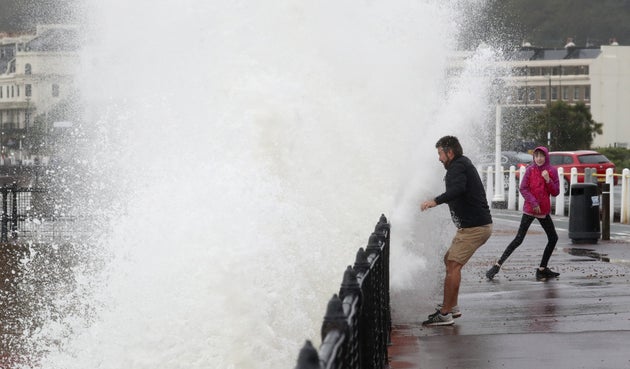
[[55, 90], [587, 93], [27, 69], [565, 93], [543, 93], [531, 94], [520, 94], [27, 90], [520, 71], [554, 93], [576, 93]]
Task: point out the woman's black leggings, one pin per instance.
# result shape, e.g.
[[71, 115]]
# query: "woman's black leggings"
[[526, 221]]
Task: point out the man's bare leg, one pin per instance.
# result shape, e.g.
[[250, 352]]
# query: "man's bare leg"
[[451, 286]]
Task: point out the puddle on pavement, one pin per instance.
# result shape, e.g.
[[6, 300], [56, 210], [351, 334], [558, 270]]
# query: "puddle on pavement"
[[588, 253]]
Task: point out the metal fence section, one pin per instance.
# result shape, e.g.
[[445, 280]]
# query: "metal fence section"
[[30, 215], [16, 203], [357, 324]]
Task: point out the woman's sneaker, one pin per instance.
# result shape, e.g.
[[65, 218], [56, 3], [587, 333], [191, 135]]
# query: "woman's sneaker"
[[493, 271], [455, 312], [545, 274], [438, 319]]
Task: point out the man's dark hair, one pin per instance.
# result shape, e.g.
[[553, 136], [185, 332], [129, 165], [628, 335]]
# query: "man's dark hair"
[[450, 143]]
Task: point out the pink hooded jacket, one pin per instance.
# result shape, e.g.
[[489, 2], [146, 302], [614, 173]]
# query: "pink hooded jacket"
[[536, 190]]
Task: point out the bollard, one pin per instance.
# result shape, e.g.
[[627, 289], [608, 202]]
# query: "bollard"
[[308, 358], [335, 319], [560, 210], [589, 175], [606, 211]]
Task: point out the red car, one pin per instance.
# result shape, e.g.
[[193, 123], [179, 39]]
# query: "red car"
[[580, 160]]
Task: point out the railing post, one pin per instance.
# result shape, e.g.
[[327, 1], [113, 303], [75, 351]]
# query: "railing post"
[[5, 215], [14, 213], [606, 212], [521, 200], [361, 263], [610, 179], [560, 197], [624, 213], [308, 358], [334, 319], [574, 179], [350, 284], [511, 201], [490, 185], [382, 229], [374, 245], [350, 294]]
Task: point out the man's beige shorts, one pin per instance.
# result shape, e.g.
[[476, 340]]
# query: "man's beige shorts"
[[466, 242]]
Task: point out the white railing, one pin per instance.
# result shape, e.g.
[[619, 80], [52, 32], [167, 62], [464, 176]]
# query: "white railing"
[[515, 199]]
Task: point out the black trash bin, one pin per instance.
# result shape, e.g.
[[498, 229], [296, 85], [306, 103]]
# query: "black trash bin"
[[584, 225]]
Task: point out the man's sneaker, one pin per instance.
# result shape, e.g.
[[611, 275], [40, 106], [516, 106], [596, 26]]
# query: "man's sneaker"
[[493, 271], [545, 274], [439, 319], [454, 311]]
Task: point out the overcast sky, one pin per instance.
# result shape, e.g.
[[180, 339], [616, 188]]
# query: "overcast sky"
[[24, 15]]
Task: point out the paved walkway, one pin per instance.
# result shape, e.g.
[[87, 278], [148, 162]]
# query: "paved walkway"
[[579, 320]]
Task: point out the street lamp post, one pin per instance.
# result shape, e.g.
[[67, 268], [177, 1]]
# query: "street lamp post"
[[2, 148], [27, 114], [548, 115]]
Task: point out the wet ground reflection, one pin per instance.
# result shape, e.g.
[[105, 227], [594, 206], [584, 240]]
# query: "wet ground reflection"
[[587, 252], [543, 312]]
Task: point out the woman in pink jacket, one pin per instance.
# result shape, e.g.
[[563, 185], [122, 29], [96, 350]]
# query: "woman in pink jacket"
[[539, 182]]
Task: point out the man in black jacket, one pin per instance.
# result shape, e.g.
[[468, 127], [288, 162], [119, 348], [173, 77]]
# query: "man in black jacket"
[[466, 199]]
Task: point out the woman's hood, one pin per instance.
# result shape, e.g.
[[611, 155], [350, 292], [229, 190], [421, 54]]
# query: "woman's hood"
[[545, 151]]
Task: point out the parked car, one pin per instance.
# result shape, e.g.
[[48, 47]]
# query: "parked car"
[[508, 158], [581, 160]]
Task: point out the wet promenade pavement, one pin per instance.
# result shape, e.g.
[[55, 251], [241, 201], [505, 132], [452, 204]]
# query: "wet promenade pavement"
[[579, 320]]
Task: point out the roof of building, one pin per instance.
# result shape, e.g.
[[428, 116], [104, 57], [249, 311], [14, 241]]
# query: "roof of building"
[[55, 39]]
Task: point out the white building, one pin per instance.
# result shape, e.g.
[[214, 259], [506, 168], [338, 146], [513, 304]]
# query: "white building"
[[36, 73], [610, 95], [597, 76]]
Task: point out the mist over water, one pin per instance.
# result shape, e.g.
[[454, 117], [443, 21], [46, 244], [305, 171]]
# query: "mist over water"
[[252, 148]]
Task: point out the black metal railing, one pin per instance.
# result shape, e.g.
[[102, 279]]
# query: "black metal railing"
[[357, 324], [11, 202], [19, 205]]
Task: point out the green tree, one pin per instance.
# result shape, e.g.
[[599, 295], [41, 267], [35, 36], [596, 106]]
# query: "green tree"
[[571, 126], [618, 155]]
